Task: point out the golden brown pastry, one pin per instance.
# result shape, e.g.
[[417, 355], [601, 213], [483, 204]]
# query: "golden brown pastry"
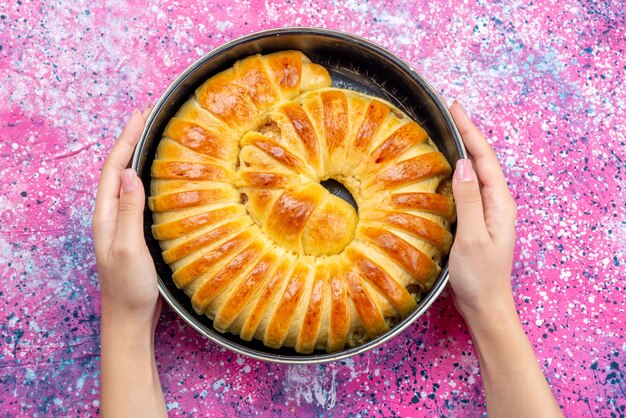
[[254, 239]]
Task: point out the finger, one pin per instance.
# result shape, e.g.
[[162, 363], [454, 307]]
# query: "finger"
[[105, 213], [146, 110], [129, 232], [498, 203], [120, 155], [469, 205], [484, 157]]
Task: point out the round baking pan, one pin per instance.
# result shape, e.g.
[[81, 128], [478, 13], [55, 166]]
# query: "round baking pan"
[[353, 63]]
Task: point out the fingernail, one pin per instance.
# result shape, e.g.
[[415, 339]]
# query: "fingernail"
[[129, 180], [148, 107], [135, 111], [450, 101], [465, 170]]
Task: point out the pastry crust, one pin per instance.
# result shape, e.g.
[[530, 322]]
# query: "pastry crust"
[[254, 239]]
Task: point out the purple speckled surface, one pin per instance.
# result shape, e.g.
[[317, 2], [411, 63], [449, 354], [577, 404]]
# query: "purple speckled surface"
[[543, 80]]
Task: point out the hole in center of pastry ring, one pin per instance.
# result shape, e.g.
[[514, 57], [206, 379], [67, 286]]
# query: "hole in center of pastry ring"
[[338, 189]]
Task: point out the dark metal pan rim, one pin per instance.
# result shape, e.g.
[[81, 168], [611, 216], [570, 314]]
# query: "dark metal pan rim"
[[140, 164]]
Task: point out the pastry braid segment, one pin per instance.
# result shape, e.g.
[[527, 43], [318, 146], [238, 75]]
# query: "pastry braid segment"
[[228, 101], [376, 274], [193, 112], [396, 144], [277, 152], [339, 312], [189, 171], [426, 202], [166, 186], [266, 180], [335, 107], [209, 142], [281, 319], [396, 175], [294, 73], [217, 282], [299, 314], [170, 150], [187, 274], [419, 227], [189, 198], [188, 247], [373, 322], [310, 328], [240, 296], [375, 115], [300, 129], [260, 304], [289, 215], [330, 228], [180, 227], [419, 265], [251, 74]]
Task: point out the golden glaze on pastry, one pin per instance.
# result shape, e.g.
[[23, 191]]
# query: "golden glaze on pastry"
[[254, 239]]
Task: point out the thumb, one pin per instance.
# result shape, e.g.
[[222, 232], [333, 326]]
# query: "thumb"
[[130, 209], [469, 204]]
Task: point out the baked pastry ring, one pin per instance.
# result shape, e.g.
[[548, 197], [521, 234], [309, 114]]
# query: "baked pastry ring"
[[254, 239]]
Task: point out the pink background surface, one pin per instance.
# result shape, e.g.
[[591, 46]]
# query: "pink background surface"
[[544, 81]]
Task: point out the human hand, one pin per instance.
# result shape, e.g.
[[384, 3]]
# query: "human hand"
[[129, 380], [128, 278], [482, 254], [480, 276]]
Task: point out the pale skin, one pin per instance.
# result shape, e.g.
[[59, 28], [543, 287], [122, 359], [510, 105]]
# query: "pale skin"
[[129, 381], [480, 276]]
